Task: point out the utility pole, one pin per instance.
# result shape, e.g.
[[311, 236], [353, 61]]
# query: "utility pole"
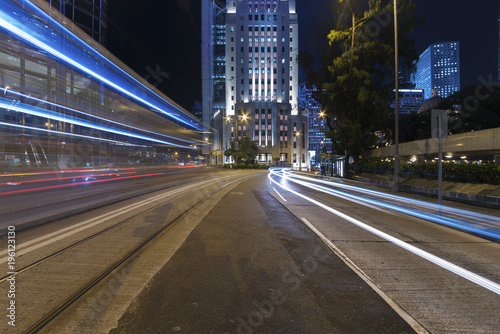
[[396, 109]]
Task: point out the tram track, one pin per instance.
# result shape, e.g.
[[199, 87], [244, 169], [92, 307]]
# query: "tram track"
[[160, 209], [23, 213]]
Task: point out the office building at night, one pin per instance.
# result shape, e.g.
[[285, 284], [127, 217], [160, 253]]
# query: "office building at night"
[[438, 68], [260, 81], [67, 102], [410, 100], [88, 15], [318, 141]]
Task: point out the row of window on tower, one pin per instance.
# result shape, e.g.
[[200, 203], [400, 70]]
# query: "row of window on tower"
[[262, 4]]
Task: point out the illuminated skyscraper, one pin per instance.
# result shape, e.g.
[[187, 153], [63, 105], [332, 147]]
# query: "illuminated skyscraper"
[[317, 122], [213, 76], [438, 68], [89, 15], [261, 78]]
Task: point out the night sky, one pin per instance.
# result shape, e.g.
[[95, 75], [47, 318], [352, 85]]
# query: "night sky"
[[166, 33]]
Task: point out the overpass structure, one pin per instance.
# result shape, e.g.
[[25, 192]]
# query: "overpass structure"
[[483, 145], [65, 101]]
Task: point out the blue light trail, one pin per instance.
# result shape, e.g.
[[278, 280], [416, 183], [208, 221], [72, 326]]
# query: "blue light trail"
[[477, 279], [17, 126], [421, 204], [71, 120], [484, 227], [15, 20], [7, 90]]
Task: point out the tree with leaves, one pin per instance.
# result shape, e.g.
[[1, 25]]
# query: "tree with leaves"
[[245, 150], [358, 74], [478, 108]]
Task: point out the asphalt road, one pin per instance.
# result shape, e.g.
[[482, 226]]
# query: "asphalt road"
[[57, 195], [247, 255], [252, 267]]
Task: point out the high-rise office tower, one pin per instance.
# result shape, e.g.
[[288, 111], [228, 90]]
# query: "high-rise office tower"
[[439, 68], [89, 15], [318, 140], [213, 76], [260, 78]]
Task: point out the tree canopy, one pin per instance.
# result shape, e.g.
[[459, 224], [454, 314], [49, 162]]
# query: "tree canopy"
[[478, 108], [244, 149], [358, 70], [472, 108]]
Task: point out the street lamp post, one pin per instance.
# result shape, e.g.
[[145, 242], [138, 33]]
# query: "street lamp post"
[[297, 137], [396, 109]]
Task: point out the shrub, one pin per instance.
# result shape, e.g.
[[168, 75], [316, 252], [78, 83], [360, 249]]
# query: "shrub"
[[463, 172]]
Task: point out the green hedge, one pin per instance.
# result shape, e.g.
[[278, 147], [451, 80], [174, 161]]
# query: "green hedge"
[[466, 173], [246, 166]]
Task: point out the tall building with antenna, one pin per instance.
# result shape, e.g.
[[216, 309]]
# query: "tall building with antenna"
[[261, 79]]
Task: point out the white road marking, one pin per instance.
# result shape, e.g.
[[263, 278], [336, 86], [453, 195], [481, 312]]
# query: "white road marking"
[[408, 318], [283, 198]]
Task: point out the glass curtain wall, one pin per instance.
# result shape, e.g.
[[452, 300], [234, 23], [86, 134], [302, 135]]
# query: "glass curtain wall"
[[63, 105]]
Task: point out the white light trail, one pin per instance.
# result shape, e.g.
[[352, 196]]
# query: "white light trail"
[[44, 114], [401, 199], [485, 227], [59, 55], [484, 282]]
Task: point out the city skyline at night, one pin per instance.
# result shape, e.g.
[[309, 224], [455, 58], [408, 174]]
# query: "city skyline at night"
[[260, 100], [474, 27]]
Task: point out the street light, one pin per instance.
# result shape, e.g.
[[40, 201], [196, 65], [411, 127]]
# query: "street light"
[[322, 115], [396, 109], [297, 136]]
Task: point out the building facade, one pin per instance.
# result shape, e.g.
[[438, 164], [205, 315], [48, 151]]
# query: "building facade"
[[410, 100], [261, 79], [318, 142], [213, 57], [438, 67], [67, 102], [88, 15]]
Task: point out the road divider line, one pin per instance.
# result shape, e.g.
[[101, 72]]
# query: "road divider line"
[[283, 198], [395, 306]]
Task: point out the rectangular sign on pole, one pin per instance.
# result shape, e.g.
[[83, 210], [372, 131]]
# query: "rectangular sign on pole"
[[439, 129], [441, 116]]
